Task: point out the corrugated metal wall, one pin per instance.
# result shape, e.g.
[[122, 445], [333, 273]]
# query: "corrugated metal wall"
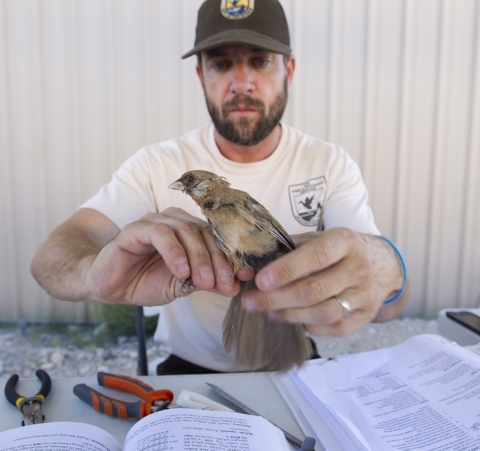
[[84, 83]]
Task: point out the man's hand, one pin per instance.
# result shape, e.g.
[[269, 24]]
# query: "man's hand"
[[88, 258], [300, 286]]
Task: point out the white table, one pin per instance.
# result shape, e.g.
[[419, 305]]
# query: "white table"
[[256, 390]]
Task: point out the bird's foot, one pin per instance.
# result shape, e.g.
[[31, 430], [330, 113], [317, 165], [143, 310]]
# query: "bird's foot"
[[186, 286]]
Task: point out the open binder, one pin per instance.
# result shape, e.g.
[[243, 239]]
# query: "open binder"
[[423, 394]]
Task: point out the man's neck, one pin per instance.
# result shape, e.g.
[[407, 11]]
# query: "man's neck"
[[249, 154]]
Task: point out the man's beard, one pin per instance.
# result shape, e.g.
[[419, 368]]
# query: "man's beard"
[[240, 131]]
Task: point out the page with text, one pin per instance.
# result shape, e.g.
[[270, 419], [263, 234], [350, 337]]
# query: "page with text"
[[58, 436], [191, 430], [421, 394]]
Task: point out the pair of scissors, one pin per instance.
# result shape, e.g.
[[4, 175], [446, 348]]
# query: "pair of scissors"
[[31, 407]]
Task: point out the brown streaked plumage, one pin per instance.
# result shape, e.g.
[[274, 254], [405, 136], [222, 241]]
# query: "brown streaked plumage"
[[251, 238]]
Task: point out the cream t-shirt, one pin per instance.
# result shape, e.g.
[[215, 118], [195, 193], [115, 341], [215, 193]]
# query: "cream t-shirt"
[[306, 182]]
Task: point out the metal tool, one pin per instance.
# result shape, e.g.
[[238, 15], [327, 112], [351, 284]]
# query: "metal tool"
[[192, 400], [153, 400], [31, 408], [306, 445]]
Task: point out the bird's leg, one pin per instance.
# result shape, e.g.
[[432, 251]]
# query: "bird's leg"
[[186, 286]]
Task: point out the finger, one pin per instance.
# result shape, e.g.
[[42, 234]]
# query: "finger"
[[142, 237], [191, 238], [325, 313], [245, 274], [342, 327], [156, 286], [322, 252], [176, 236], [221, 267], [225, 282], [208, 264], [302, 238], [329, 316], [305, 292], [176, 215]]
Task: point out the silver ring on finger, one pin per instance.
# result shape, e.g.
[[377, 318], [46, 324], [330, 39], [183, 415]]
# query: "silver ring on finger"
[[346, 307]]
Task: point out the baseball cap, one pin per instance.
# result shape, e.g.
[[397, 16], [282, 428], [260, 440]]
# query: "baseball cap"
[[259, 23]]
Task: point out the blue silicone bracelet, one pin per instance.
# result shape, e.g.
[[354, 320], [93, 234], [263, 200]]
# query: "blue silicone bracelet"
[[404, 266]]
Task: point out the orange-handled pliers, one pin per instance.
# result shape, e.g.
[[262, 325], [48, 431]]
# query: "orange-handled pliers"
[[153, 400]]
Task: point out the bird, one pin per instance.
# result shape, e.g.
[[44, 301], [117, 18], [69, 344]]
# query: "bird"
[[308, 202], [251, 238]]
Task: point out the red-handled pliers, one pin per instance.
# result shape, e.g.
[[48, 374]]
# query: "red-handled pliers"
[[154, 399]]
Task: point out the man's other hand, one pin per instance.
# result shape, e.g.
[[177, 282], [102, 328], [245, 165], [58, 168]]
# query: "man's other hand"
[[301, 285]]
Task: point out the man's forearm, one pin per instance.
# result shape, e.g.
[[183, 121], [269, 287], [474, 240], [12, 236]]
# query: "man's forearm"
[[62, 262]]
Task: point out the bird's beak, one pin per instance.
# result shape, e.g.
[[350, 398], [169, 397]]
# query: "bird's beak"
[[177, 184]]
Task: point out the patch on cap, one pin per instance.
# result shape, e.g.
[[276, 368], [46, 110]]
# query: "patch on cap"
[[237, 9]]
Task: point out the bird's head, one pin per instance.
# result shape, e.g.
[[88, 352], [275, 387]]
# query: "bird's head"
[[201, 186]]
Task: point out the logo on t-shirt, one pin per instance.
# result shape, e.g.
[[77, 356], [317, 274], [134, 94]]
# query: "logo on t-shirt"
[[307, 200]]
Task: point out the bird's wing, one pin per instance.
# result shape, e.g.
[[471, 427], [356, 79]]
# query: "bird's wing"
[[259, 216]]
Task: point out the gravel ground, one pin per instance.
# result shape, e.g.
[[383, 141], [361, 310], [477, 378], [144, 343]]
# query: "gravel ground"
[[80, 351]]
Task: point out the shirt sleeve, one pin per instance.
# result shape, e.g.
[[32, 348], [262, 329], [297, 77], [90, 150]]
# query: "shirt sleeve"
[[129, 195], [346, 203]]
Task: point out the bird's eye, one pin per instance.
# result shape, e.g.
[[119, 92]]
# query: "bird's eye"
[[190, 179]]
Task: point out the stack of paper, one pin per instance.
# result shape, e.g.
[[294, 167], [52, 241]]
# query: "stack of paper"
[[423, 394]]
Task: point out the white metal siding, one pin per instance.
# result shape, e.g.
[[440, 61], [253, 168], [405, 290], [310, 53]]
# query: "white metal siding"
[[84, 83]]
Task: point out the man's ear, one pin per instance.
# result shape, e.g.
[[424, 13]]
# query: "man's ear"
[[200, 75], [291, 64]]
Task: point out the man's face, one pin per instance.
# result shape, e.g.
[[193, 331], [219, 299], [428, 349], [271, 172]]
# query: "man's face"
[[246, 91]]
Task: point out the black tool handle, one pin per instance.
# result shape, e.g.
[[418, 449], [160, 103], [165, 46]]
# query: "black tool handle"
[[46, 384], [124, 383], [14, 398], [10, 392], [110, 406]]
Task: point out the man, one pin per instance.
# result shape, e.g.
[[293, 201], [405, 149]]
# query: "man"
[[136, 239]]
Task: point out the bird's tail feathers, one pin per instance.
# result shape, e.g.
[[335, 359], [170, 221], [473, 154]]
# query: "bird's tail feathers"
[[233, 321], [260, 343]]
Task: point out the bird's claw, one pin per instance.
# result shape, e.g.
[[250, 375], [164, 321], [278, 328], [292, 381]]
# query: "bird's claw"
[[186, 286]]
